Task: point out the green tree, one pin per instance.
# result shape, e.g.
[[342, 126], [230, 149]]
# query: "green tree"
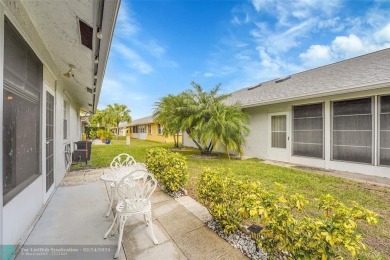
[[205, 118], [101, 119], [228, 126], [167, 113], [117, 113]]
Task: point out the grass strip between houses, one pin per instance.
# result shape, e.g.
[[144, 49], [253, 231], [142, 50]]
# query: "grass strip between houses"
[[312, 185]]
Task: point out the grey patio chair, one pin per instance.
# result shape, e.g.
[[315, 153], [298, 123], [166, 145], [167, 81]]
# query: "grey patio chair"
[[134, 191]]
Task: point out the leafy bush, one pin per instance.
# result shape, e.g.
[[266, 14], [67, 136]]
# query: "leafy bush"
[[104, 134], [221, 196], [286, 227], [169, 168]]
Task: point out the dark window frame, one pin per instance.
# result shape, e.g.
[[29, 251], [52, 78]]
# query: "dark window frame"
[[293, 128], [349, 113], [22, 88]]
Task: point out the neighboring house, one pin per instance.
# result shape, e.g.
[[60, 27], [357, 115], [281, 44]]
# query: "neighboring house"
[[334, 117], [54, 55], [146, 129], [123, 128]]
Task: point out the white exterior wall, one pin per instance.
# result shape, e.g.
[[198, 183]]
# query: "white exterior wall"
[[20, 212], [1, 118], [258, 141]]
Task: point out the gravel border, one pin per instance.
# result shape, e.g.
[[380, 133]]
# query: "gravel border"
[[241, 241]]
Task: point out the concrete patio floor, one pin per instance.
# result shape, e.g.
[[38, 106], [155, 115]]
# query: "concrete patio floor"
[[73, 224]]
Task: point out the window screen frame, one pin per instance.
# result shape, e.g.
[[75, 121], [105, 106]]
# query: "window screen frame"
[[379, 126], [373, 129], [323, 129], [160, 129], [66, 117], [32, 91], [284, 114]]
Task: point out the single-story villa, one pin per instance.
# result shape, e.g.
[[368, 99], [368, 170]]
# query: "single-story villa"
[[334, 117], [146, 129], [54, 55]]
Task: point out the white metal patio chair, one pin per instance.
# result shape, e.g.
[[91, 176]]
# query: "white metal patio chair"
[[120, 166], [133, 198]]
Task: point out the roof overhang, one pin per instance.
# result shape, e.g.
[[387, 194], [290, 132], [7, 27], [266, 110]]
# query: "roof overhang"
[[353, 89], [57, 24]]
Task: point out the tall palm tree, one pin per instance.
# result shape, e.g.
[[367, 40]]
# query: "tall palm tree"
[[118, 113], [167, 113], [100, 119], [228, 126], [205, 118]]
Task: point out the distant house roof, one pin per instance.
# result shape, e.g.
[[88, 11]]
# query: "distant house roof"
[[142, 121], [364, 72]]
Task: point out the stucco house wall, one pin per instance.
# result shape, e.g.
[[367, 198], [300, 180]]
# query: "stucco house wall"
[[153, 136], [363, 77], [18, 214]]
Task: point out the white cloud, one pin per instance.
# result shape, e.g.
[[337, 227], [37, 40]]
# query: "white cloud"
[[261, 4], [348, 46], [126, 25], [117, 90], [287, 11], [383, 35], [208, 74], [156, 49], [135, 61], [316, 55], [282, 42]]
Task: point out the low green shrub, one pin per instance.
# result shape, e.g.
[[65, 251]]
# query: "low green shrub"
[[169, 168], [221, 195], [286, 227]]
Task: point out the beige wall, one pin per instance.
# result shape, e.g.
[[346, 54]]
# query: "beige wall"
[[154, 136]]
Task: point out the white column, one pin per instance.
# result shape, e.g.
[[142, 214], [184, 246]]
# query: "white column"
[[327, 133], [375, 131]]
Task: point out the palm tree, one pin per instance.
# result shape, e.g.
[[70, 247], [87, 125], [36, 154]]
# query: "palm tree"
[[118, 113], [228, 126], [205, 118], [101, 119], [167, 113]]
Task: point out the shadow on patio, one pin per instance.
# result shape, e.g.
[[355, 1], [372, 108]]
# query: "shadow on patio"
[[73, 224]]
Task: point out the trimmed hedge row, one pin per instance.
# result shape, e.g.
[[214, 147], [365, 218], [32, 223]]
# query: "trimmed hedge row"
[[286, 227], [169, 168]]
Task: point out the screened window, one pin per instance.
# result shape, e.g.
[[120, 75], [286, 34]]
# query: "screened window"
[[278, 131], [308, 127], [66, 119], [384, 134], [135, 129], [149, 129], [352, 130], [22, 87], [159, 129], [142, 129]]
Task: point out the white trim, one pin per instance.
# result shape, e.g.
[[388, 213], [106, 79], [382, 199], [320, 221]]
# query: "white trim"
[[325, 94], [47, 194], [1, 117], [275, 152]]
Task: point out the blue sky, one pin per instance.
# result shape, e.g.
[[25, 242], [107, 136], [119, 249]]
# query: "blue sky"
[[159, 47]]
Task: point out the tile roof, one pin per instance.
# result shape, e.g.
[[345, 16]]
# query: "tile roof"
[[142, 121], [348, 75]]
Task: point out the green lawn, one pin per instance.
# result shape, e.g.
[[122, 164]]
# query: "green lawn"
[[309, 183]]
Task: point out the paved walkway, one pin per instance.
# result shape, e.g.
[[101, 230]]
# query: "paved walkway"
[[73, 225], [380, 181]]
